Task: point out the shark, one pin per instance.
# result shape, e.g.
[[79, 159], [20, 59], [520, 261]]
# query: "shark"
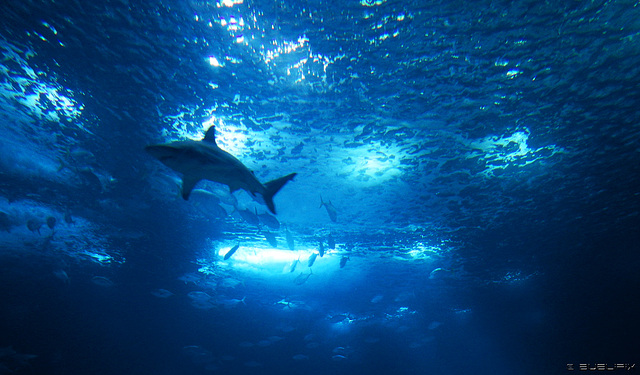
[[204, 160]]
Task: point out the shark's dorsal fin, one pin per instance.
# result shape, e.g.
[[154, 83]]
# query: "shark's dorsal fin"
[[210, 135]]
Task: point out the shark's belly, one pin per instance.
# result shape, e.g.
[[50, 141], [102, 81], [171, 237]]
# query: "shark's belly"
[[234, 178]]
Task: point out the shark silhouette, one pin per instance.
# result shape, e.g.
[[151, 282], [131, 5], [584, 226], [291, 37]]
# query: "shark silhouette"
[[204, 160]]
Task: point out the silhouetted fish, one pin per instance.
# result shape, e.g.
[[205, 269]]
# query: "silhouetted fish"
[[102, 281], [302, 278], [294, 265], [270, 221], [51, 222], [5, 222], [231, 251], [333, 214], [34, 225], [271, 238], [249, 217], [337, 318], [161, 293], [290, 240], [312, 259], [68, 218], [331, 243]]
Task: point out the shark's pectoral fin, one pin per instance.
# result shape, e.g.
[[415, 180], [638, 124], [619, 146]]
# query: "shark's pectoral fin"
[[188, 183]]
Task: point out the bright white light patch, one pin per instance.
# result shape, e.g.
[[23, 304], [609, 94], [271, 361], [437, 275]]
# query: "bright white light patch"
[[260, 256], [370, 165], [501, 152], [265, 259], [214, 62], [229, 3]]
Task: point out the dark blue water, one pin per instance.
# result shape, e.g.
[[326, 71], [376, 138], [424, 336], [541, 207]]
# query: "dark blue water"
[[482, 159]]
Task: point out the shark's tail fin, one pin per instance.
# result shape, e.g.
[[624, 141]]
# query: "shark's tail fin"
[[273, 187]]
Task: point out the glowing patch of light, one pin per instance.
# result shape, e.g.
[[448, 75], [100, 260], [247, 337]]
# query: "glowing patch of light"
[[370, 165], [343, 326], [371, 3], [515, 277], [285, 47], [100, 258], [513, 150], [513, 73], [425, 252], [214, 62], [264, 260], [53, 29], [401, 312], [22, 84], [230, 137], [229, 3], [260, 256]]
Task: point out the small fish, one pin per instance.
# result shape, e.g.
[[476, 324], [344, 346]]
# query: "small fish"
[[296, 150], [249, 217], [271, 238], [102, 281], [333, 214], [161, 293], [439, 273], [302, 278], [90, 180], [343, 261], [68, 218], [337, 318], [51, 222], [190, 278], [312, 259], [321, 250], [5, 222], [205, 197], [229, 303], [61, 275], [217, 211], [269, 220], [225, 196], [231, 251], [294, 265], [34, 225], [331, 243], [290, 241], [197, 295]]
